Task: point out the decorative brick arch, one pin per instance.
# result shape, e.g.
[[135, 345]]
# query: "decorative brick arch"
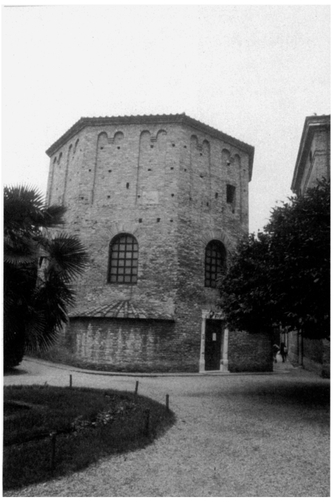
[[237, 160], [102, 138], [206, 147], [218, 235], [117, 138], [162, 133], [203, 146], [145, 138]]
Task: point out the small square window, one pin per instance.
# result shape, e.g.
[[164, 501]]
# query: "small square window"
[[230, 194]]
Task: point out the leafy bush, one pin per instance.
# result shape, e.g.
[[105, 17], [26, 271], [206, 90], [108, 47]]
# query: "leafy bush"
[[282, 275]]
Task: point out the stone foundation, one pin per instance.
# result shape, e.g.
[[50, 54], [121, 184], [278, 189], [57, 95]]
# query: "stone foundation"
[[132, 345]]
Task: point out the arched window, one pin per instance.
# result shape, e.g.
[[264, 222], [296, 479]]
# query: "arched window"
[[123, 260], [215, 260]]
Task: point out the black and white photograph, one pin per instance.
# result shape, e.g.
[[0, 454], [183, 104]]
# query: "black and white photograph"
[[166, 250]]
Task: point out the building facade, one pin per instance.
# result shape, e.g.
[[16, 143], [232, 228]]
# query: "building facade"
[[312, 165], [160, 202], [314, 154]]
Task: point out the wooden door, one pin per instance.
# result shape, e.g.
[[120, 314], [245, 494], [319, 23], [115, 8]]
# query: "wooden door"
[[213, 338]]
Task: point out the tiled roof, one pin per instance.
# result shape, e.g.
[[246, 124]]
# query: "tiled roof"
[[123, 310], [181, 118]]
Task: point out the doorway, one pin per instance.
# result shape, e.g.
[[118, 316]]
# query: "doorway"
[[213, 342]]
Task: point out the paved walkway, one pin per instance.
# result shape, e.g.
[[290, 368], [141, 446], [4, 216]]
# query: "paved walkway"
[[236, 435]]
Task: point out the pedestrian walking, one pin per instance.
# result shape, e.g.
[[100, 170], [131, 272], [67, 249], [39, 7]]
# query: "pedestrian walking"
[[275, 351], [283, 351]]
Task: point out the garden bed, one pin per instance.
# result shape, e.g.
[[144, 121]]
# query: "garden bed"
[[53, 431]]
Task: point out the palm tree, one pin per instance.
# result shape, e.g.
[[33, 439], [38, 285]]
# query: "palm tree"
[[40, 264]]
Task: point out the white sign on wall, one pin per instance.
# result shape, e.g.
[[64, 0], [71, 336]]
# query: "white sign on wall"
[[150, 197]]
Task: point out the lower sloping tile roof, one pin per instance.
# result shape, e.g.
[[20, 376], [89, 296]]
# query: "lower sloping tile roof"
[[123, 309]]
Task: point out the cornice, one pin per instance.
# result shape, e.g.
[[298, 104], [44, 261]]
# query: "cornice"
[[312, 124], [151, 119]]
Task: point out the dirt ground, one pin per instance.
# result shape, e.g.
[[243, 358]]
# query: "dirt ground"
[[236, 435]]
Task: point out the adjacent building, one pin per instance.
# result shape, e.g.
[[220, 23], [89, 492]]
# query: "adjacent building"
[[314, 154], [313, 164]]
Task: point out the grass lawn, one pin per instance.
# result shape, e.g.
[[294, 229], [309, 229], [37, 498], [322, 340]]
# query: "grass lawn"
[[94, 423]]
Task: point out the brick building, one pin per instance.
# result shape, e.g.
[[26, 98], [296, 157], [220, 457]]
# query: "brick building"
[[160, 202], [313, 164]]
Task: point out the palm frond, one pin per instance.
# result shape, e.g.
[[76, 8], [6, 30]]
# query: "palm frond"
[[24, 207], [54, 215], [19, 249], [39, 336], [36, 300], [29, 196], [67, 256]]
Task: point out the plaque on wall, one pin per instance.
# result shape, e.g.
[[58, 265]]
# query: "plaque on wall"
[[150, 198]]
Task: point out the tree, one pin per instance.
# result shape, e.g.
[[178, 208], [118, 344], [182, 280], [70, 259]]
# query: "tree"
[[282, 275], [40, 264]]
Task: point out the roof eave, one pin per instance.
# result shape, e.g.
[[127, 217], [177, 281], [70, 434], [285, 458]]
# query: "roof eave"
[[142, 119], [311, 124]]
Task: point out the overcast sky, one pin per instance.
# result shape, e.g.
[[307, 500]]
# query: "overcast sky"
[[253, 72]]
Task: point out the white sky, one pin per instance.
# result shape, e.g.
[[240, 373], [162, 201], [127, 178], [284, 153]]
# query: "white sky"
[[253, 72]]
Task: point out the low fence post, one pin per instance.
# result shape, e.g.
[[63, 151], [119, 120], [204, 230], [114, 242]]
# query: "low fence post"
[[167, 401], [136, 389], [70, 381], [147, 422], [53, 450]]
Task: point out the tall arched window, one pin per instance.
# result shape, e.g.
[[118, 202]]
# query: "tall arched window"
[[215, 261], [123, 260]]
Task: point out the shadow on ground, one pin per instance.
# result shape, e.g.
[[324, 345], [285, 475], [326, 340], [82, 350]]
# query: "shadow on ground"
[[14, 372], [307, 396]]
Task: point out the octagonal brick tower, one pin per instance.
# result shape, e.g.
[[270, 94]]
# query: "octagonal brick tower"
[[159, 201]]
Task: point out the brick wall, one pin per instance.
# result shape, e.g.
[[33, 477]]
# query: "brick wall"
[[315, 354], [133, 345], [293, 348], [166, 184], [250, 352]]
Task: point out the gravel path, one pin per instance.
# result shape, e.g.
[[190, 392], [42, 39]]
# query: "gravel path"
[[235, 436]]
